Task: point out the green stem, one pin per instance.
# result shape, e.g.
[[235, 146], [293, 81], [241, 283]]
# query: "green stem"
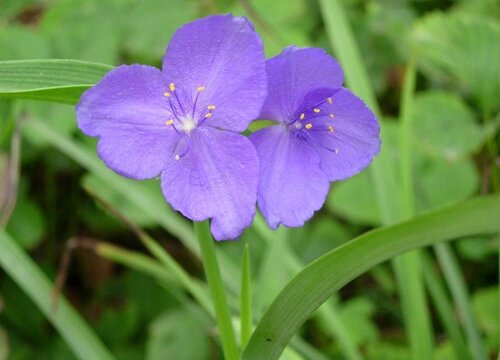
[[246, 298], [217, 291]]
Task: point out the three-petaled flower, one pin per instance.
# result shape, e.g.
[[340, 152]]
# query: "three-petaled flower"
[[183, 122], [324, 134]]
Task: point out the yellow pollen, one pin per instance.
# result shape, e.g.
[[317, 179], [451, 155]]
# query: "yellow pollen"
[[316, 110], [207, 115], [169, 122], [332, 116], [330, 101], [211, 107], [201, 88], [330, 128], [308, 126], [166, 94], [302, 116], [177, 157], [172, 87]]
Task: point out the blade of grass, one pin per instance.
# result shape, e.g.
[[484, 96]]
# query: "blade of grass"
[[30, 278], [322, 278], [458, 288], [409, 270]]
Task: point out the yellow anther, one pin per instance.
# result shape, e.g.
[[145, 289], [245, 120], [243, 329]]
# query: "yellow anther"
[[330, 128], [169, 122], [330, 101], [332, 116], [207, 115], [167, 94], [177, 157], [316, 110], [302, 116], [308, 126], [211, 107], [201, 88], [172, 87]]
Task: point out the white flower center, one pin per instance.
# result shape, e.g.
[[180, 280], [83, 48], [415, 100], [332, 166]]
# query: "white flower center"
[[188, 125]]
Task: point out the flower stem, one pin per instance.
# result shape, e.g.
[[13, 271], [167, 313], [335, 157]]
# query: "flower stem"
[[246, 298], [217, 291]]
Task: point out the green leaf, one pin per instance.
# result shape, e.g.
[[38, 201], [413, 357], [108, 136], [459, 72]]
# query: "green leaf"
[[442, 182], [321, 279], [37, 286], [445, 126], [50, 80], [465, 47], [355, 200]]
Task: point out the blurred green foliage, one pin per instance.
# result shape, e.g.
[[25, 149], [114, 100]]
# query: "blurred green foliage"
[[455, 138]]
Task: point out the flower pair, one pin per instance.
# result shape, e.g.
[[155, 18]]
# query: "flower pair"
[[183, 123]]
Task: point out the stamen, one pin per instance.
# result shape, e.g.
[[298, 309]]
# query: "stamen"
[[172, 87], [332, 116], [166, 94], [308, 126], [330, 101], [211, 107], [316, 110], [169, 122], [201, 88], [177, 157], [302, 116], [330, 128], [207, 115]]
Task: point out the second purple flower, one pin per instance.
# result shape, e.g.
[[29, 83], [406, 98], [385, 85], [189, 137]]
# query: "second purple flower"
[[324, 133]]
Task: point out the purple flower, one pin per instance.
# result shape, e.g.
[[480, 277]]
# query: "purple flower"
[[324, 133], [182, 122]]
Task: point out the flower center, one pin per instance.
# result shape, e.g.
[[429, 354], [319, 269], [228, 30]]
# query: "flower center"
[[187, 125], [187, 115], [312, 121]]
